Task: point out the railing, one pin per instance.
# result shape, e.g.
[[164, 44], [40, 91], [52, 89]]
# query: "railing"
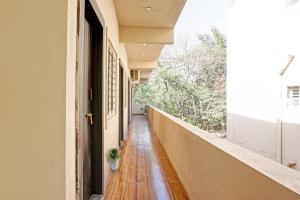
[[211, 168]]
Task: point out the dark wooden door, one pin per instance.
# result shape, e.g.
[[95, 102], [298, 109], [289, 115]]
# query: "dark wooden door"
[[90, 106], [86, 113], [121, 105]]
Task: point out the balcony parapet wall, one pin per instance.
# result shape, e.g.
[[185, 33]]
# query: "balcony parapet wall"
[[212, 168]]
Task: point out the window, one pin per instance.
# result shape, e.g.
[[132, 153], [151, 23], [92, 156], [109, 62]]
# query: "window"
[[293, 95], [112, 79]]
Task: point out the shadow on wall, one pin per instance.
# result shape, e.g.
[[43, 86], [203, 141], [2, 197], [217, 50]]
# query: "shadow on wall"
[[262, 137]]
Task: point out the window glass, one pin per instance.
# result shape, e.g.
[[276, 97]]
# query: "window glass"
[[112, 80], [293, 95]]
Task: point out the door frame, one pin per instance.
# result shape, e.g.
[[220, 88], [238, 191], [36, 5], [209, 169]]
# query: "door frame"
[[129, 102], [81, 15], [121, 104]]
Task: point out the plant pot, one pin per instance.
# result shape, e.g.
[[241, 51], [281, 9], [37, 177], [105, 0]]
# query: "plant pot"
[[114, 164]]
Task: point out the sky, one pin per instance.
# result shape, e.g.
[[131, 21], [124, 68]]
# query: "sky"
[[199, 16]]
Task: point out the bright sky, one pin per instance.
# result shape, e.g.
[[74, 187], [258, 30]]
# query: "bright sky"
[[199, 16]]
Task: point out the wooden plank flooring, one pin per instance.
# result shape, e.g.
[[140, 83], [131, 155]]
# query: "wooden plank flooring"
[[145, 171]]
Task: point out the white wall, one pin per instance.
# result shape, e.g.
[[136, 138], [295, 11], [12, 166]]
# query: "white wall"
[[138, 109], [258, 48], [291, 114]]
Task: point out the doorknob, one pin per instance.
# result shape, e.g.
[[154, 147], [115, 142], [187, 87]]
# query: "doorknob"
[[89, 116]]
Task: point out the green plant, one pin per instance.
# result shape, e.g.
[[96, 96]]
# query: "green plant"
[[114, 154], [190, 82]]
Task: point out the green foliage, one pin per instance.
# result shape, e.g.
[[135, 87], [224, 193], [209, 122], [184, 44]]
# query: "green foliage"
[[114, 154], [191, 84], [216, 39], [219, 38]]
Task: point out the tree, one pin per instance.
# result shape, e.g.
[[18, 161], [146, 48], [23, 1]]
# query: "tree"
[[190, 82]]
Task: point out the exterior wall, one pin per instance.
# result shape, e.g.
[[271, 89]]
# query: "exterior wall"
[[214, 169], [70, 102], [261, 35], [33, 99], [138, 109], [290, 114], [38, 84], [111, 134]]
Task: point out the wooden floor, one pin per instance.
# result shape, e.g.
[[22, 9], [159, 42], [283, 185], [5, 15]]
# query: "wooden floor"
[[145, 171]]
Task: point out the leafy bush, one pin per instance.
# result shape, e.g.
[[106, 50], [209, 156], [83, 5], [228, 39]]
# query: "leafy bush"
[[190, 83]]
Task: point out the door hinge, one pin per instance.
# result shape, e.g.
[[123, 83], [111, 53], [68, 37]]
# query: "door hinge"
[[76, 67], [90, 94]]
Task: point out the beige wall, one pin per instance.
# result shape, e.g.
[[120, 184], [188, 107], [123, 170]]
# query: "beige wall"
[[38, 58], [39, 51], [33, 99], [211, 168], [70, 115]]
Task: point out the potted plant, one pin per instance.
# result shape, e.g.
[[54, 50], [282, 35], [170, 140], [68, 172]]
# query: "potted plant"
[[113, 159]]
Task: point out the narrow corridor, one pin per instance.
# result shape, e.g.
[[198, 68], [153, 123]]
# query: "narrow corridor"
[[145, 171]]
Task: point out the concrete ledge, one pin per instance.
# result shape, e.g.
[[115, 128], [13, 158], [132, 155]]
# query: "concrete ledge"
[[146, 35], [134, 65], [213, 168]]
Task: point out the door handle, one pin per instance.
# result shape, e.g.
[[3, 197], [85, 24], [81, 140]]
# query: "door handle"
[[89, 116]]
